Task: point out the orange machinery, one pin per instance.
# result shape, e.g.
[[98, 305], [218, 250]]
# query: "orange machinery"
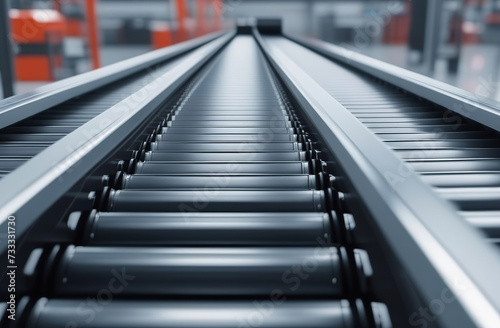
[[161, 35], [38, 35], [397, 29]]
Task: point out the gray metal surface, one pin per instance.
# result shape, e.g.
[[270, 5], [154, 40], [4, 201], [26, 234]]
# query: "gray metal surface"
[[207, 229], [243, 182], [19, 107], [159, 156], [206, 167], [211, 271], [196, 314], [413, 221], [45, 178], [222, 200]]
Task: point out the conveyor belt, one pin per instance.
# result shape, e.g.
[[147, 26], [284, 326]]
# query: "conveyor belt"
[[461, 159], [25, 139], [224, 208]]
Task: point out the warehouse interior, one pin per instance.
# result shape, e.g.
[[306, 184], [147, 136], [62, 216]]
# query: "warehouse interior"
[[458, 45], [249, 163]]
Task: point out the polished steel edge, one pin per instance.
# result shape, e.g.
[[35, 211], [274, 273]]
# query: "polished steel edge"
[[32, 188], [17, 108], [414, 221], [468, 104]]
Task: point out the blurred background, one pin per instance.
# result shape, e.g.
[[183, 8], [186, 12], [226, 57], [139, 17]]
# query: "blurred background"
[[454, 41]]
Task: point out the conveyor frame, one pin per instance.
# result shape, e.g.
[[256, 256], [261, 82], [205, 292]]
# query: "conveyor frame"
[[404, 214]]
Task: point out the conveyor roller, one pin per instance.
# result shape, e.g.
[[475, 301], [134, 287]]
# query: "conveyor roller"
[[211, 271], [224, 205], [205, 229], [273, 313]]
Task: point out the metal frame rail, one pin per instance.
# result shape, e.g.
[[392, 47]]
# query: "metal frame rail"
[[405, 215]]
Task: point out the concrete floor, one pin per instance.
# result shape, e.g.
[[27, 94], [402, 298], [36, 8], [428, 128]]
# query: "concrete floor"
[[479, 70]]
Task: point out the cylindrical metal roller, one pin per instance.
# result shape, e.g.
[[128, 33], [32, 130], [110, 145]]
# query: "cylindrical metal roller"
[[166, 156], [63, 115], [209, 271], [180, 182], [232, 124], [455, 166], [368, 107], [433, 135], [447, 180], [64, 128], [183, 137], [473, 199], [479, 153], [207, 229], [407, 116], [457, 144], [207, 100], [416, 120], [54, 122], [417, 129], [26, 143], [487, 221], [221, 112], [20, 150], [225, 146], [415, 126], [204, 168], [247, 118], [239, 108], [273, 312], [8, 164], [216, 200], [229, 130], [39, 137], [424, 114]]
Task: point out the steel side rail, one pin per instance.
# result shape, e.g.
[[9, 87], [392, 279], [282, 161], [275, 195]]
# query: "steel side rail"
[[438, 249], [19, 107], [32, 188], [468, 104]]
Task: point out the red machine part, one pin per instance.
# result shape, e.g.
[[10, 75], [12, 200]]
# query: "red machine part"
[[93, 33], [161, 35], [182, 16], [38, 35]]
